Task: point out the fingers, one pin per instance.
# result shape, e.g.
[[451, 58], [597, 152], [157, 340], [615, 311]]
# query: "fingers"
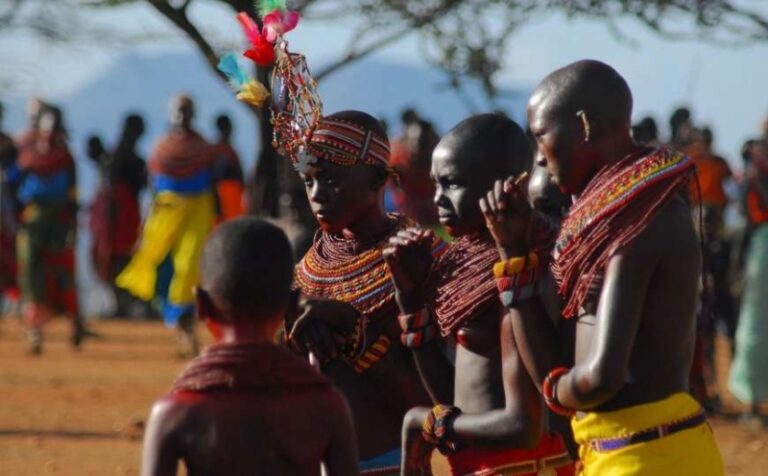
[[498, 195], [323, 345]]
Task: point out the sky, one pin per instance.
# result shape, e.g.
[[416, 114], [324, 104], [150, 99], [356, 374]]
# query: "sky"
[[724, 86]]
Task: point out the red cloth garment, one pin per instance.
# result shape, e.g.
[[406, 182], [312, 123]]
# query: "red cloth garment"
[[180, 154], [492, 462], [465, 285], [44, 154], [247, 366], [115, 221], [617, 205]]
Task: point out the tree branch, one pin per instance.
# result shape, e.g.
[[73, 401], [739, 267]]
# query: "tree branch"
[[179, 18], [355, 55]]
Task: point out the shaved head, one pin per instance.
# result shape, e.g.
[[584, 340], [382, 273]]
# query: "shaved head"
[[491, 141], [580, 118], [588, 85], [247, 268], [466, 163]]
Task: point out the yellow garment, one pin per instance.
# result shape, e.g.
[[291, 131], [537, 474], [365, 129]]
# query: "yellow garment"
[[688, 452], [177, 225]]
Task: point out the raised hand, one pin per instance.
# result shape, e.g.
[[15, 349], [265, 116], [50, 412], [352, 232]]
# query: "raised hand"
[[322, 326], [409, 258], [507, 215]]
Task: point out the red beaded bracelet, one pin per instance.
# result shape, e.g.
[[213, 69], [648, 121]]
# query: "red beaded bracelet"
[[549, 390]]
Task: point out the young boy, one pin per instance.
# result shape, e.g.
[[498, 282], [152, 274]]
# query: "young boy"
[[495, 422], [245, 406], [627, 263]]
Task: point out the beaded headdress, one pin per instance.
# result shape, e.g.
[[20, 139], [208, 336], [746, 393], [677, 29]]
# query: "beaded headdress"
[[301, 133]]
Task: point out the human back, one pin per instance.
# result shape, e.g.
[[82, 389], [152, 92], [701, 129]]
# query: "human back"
[[255, 431], [244, 403]]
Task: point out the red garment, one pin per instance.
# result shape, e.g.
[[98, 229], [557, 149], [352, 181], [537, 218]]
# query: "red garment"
[[248, 366], [491, 462], [180, 154], [115, 221], [44, 154], [61, 288]]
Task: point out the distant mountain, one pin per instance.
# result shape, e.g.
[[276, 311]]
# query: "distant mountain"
[[144, 83]]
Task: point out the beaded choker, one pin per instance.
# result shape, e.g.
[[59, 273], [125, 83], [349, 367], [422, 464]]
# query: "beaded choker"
[[619, 203], [354, 272], [466, 286]]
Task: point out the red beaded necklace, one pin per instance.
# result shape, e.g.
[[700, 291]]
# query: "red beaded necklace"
[[466, 286]]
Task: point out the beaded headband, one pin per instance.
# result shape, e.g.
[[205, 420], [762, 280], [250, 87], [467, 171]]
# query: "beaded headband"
[[346, 143]]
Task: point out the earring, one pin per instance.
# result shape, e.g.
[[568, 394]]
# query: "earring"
[[581, 114]]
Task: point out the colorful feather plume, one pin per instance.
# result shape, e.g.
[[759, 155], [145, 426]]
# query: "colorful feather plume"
[[265, 7], [248, 89]]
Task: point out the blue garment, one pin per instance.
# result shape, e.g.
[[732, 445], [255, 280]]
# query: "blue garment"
[[197, 183], [44, 188], [390, 459]]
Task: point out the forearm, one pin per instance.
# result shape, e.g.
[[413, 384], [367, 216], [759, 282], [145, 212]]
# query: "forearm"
[[582, 389], [497, 428], [437, 373], [536, 338]]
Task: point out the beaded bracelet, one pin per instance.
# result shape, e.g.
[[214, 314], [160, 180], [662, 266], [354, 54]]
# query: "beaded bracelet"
[[435, 429], [523, 285], [515, 265], [418, 328], [415, 320], [549, 391], [415, 338]]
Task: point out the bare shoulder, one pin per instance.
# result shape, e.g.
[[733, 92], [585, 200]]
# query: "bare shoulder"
[[671, 231], [170, 412]]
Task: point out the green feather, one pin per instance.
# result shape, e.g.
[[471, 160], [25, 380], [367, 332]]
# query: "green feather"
[[267, 6]]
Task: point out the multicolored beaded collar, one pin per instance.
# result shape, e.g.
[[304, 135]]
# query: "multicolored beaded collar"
[[618, 204], [355, 273]]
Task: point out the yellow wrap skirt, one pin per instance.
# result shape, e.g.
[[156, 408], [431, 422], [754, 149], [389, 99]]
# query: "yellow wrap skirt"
[[177, 226], [689, 452]]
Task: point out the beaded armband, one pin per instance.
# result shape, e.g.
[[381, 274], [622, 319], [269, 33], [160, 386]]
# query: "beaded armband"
[[518, 278], [435, 428], [418, 328], [354, 344], [549, 391]]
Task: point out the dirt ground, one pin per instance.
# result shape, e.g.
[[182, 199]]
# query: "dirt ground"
[[82, 413]]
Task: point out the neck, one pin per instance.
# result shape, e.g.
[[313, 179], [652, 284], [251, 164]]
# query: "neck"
[[369, 226], [610, 152], [259, 330]]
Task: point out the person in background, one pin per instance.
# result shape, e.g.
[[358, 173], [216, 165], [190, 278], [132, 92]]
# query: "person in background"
[[46, 240], [115, 219], [748, 379], [183, 212], [413, 190], [227, 171]]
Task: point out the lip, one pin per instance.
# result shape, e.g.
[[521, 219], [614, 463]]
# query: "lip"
[[446, 219]]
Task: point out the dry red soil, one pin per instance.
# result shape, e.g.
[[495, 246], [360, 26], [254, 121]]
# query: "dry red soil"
[[82, 413]]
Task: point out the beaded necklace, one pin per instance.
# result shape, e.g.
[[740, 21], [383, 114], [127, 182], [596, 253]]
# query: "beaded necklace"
[[466, 286], [355, 272], [617, 205], [349, 270]]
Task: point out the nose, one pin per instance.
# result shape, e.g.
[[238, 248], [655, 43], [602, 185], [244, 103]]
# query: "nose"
[[541, 160], [317, 193], [439, 197]]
